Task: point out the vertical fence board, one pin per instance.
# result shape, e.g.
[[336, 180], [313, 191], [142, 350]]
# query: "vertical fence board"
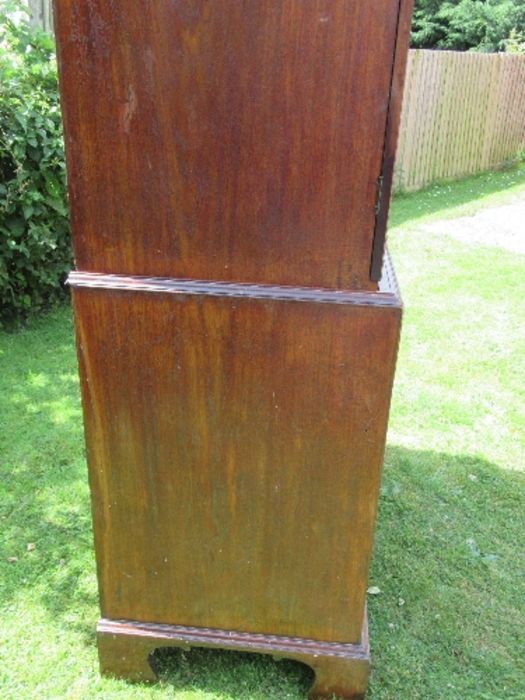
[[462, 113], [41, 14]]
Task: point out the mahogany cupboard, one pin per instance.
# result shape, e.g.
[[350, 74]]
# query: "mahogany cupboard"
[[229, 167]]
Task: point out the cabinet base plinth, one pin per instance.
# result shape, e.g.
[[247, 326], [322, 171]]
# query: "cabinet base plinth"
[[125, 648]]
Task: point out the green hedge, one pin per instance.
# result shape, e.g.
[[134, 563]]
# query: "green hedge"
[[35, 252]]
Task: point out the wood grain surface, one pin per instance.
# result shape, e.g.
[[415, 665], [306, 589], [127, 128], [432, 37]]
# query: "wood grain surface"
[[235, 449], [236, 351], [235, 140]]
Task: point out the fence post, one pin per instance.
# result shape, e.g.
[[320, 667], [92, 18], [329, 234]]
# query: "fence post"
[[41, 13]]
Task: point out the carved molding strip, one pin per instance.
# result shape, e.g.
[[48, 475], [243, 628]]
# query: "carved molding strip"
[[243, 641], [167, 285]]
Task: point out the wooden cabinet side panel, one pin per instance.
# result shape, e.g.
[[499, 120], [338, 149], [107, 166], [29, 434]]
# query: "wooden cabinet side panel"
[[235, 449], [218, 139]]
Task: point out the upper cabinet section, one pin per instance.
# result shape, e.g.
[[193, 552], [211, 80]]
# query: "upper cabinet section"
[[233, 140]]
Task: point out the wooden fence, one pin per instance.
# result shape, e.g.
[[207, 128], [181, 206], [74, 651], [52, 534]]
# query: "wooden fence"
[[41, 14], [463, 113]]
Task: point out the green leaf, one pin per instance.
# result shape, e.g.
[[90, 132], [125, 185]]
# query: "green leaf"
[[28, 211]]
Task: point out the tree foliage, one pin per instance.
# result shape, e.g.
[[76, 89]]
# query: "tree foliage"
[[463, 25], [34, 232]]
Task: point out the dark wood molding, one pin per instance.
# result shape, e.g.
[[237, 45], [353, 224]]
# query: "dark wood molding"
[[126, 646], [387, 296], [391, 135], [226, 639]]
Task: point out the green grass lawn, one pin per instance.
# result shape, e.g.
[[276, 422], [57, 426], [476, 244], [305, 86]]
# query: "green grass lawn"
[[449, 558]]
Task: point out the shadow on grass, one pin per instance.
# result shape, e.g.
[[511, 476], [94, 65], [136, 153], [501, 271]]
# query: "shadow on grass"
[[440, 197], [446, 559], [447, 547], [232, 674]]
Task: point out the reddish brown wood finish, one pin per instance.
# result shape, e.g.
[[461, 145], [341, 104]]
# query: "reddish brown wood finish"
[[228, 140], [236, 351], [235, 448]]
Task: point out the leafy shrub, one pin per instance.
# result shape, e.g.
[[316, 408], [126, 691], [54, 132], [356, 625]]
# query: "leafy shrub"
[[467, 25], [515, 42], [34, 231]]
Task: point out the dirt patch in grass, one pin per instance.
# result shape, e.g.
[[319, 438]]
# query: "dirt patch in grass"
[[501, 227]]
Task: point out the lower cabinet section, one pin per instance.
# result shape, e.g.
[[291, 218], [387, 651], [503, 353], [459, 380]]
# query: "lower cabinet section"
[[235, 441]]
